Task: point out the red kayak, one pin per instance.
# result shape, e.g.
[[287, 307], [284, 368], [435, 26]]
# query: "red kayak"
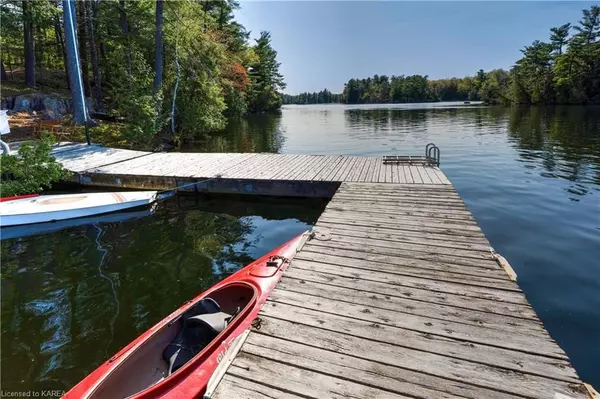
[[178, 356], [16, 197]]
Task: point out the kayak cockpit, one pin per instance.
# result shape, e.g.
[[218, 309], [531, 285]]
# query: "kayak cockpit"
[[192, 335]]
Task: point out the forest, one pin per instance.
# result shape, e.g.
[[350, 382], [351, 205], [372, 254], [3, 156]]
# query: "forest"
[[171, 67], [565, 69]]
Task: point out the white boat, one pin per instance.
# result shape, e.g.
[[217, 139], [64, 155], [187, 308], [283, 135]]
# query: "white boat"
[[50, 208]]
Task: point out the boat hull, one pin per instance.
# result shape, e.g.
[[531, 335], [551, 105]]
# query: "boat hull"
[[50, 227], [115, 377], [50, 208]]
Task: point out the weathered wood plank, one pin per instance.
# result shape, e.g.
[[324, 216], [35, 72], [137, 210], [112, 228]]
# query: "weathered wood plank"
[[326, 167], [234, 387], [335, 173], [329, 169], [392, 211], [433, 176], [282, 165], [402, 229], [405, 253], [301, 381], [312, 171], [411, 187], [493, 272], [344, 172], [403, 196], [437, 272], [125, 167], [424, 175], [387, 205], [401, 237], [219, 166], [473, 291], [357, 169], [524, 352], [416, 294], [422, 248], [441, 176], [468, 317], [266, 170], [254, 167], [373, 346], [402, 204], [292, 167], [301, 168], [367, 173], [459, 227], [414, 171], [84, 158], [362, 371], [382, 195], [232, 169]]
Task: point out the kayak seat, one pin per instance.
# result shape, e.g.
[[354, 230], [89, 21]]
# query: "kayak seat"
[[199, 326]]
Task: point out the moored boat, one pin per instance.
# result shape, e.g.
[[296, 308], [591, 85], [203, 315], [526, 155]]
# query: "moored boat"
[[186, 353], [49, 208]]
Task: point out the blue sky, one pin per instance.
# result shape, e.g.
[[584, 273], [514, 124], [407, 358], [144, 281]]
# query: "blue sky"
[[322, 44]]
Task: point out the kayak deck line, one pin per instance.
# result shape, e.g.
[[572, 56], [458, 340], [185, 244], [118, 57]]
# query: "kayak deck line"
[[396, 294]]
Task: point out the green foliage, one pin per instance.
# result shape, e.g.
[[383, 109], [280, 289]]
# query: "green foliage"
[[322, 97], [32, 170], [266, 81], [206, 55], [549, 74]]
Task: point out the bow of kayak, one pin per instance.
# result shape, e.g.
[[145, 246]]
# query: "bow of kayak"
[[177, 357]]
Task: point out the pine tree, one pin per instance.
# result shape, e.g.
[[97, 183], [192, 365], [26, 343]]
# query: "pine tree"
[[266, 81]]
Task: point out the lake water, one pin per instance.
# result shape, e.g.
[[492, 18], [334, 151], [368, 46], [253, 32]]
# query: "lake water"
[[531, 177]]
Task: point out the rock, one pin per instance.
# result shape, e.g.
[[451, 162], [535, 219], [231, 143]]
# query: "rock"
[[52, 106], [22, 104], [56, 106]]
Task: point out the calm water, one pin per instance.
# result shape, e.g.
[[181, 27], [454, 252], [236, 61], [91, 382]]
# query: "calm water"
[[73, 298], [530, 176]]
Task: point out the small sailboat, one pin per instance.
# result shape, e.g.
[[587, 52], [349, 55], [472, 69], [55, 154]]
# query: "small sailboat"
[[186, 354], [51, 208]]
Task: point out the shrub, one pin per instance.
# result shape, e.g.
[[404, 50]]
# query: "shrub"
[[32, 170]]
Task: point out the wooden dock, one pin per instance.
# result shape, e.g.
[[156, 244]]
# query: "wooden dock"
[[262, 174], [396, 296]]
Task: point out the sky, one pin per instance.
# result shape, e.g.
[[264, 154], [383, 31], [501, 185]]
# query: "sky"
[[323, 44]]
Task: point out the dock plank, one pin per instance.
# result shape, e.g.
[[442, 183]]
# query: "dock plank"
[[421, 333], [374, 347]]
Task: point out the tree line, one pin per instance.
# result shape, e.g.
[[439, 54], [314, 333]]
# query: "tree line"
[[162, 65], [563, 70], [322, 97]]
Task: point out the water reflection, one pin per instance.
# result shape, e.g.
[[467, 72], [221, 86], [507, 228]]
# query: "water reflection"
[[257, 133], [74, 297], [564, 141]]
